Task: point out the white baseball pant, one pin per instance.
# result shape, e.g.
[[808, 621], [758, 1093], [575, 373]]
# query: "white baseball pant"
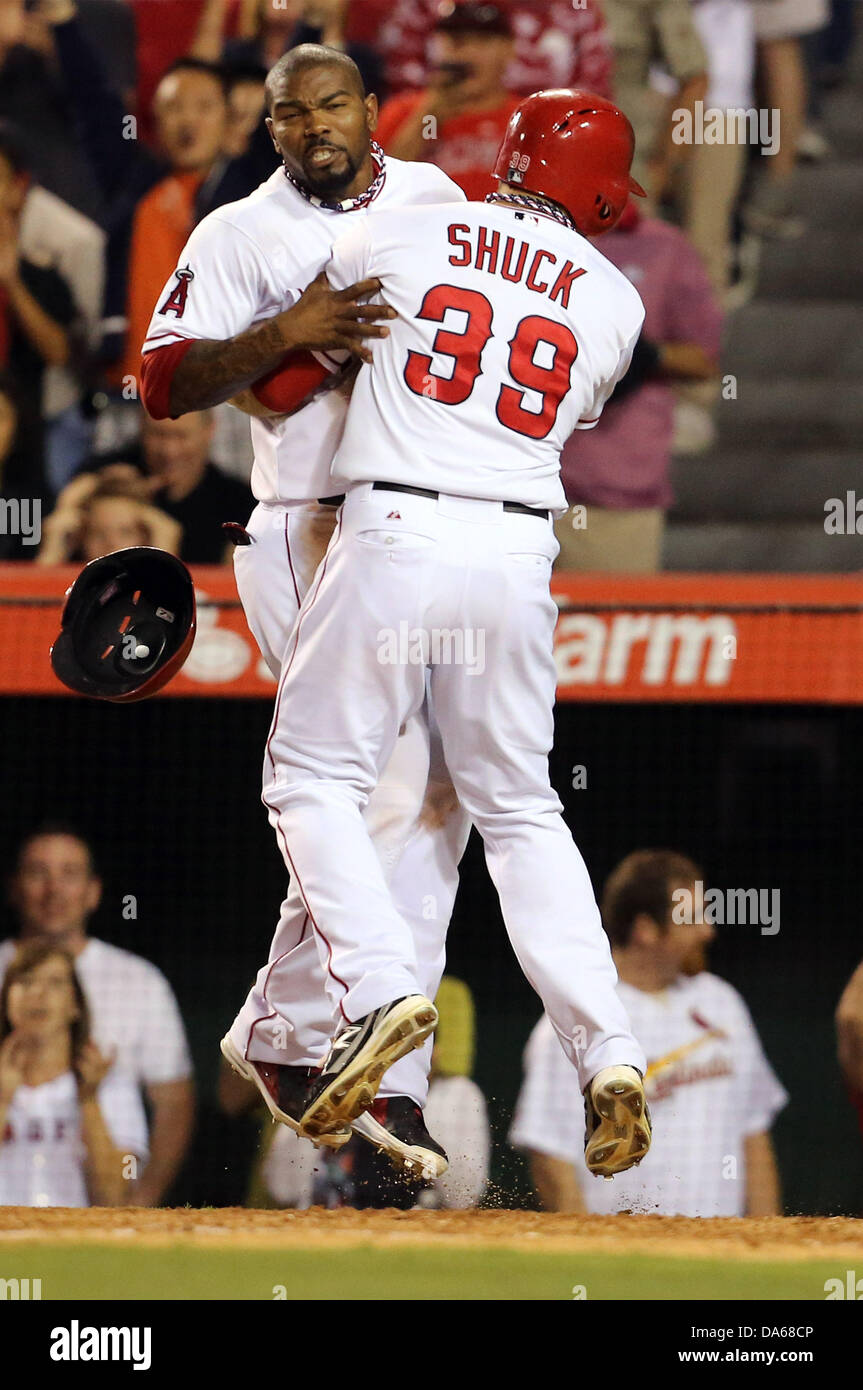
[[408, 584], [413, 818]]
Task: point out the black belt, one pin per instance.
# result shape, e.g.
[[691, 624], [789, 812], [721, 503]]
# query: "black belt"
[[427, 492], [331, 501]]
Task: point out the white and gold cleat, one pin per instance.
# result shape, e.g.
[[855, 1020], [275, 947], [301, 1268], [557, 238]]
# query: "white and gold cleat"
[[359, 1056], [617, 1121]]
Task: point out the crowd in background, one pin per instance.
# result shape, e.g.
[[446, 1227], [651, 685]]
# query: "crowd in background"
[[97, 1095], [124, 122]]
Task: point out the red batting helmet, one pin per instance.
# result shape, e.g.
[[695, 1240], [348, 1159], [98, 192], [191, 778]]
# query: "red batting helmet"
[[576, 148], [128, 625]]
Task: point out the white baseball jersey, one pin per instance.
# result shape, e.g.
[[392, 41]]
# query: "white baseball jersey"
[[252, 259], [708, 1085], [513, 332], [42, 1154], [133, 1012]]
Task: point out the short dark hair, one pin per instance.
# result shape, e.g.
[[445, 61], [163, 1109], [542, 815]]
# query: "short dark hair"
[[214, 70], [57, 826], [235, 73], [311, 55], [642, 883]]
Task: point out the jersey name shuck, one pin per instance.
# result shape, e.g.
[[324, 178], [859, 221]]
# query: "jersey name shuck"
[[486, 249]]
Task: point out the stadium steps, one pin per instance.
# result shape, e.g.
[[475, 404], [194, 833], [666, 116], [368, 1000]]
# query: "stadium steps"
[[808, 269], [790, 440], [764, 484], [800, 338], [791, 547]]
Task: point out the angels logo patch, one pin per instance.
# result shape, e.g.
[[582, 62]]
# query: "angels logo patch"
[[176, 301]]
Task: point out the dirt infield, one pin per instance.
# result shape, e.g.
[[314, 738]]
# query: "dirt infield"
[[770, 1238]]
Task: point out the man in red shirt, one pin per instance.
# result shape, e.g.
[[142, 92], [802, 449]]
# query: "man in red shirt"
[[558, 43], [460, 119], [618, 474]]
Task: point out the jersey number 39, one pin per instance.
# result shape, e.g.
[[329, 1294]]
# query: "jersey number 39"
[[466, 349]]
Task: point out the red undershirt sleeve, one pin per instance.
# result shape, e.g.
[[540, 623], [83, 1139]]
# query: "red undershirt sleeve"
[[282, 390]]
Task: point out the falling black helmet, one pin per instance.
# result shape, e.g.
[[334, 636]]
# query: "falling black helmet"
[[128, 625]]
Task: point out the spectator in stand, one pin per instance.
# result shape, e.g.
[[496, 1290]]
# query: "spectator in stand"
[[711, 1090], [459, 121], [189, 487], [849, 1037], [98, 513], [54, 890], [268, 28], [154, 198], [557, 44], [33, 98], [618, 474], [37, 312], [714, 172], [53, 235], [246, 102], [661, 32], [68, 1123], [780, 26]]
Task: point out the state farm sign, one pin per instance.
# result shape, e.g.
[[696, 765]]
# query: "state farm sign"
[[645, 649]]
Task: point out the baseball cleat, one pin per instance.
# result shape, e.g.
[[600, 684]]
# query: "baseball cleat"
[[396, 1127], [617, 1121], [285, 1090], [348, 1081]]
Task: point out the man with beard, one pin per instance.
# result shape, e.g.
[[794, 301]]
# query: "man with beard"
[[711, 1090], [249, 301]]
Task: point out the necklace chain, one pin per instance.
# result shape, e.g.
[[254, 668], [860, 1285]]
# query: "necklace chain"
[[539, 205], [348, 204]]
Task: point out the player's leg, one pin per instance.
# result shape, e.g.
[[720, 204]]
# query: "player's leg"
[[418, 829], [423, 886], [273, 573], [497, 725], [285, 1019], [423, 883], [286, 1005], [328, 743]]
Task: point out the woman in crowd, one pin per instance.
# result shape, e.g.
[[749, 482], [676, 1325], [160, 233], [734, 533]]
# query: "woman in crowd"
[[68, 1137]]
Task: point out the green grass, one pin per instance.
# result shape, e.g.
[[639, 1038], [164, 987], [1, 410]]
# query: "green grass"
[[187, 1272]]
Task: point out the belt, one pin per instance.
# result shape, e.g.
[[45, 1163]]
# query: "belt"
[[428, 492], [331, 501]]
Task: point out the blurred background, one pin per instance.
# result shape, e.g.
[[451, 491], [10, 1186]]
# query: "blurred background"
[[731, 449]]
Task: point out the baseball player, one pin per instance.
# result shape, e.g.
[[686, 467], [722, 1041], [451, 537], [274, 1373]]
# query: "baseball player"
[[512, 331], [248, 290]]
